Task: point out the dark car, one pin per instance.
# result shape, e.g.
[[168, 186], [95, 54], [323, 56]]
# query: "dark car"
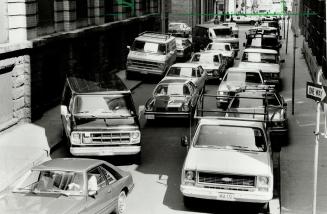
[[172, 98], [184, 48], [69, 185], [99, 116]]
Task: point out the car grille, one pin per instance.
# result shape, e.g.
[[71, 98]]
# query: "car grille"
[[235, 45], [172, 109], [144, 64], [223, 179], [111, 138]]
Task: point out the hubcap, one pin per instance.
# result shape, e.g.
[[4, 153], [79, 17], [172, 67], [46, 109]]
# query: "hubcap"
[[121, 203]]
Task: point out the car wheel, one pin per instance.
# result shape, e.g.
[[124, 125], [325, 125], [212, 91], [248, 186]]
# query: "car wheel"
[[264, 208], [187, 201], [121, 203]]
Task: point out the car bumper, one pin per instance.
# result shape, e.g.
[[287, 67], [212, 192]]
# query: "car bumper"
[[153, 115], [153, 71], [226, 195], [105, 150]]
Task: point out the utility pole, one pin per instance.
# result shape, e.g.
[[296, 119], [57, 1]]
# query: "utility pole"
[[293, 71], [163, 17], [288, 23]]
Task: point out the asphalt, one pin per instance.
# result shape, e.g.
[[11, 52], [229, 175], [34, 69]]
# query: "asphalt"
[[51, 120]]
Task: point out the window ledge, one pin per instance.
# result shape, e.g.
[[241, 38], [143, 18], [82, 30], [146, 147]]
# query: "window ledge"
[[10, 47], [8, 124]]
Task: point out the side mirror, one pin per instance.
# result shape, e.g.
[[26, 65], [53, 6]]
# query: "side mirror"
[[220, 78], [63, 110], [284, 104], [184, 141], [282, 61], [171, 52], [141, 111], [92, 193]]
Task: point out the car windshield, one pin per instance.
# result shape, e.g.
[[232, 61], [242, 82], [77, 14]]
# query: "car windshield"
[[250, 77], [218, 46], [181, 72], [103, 106], [149, 47], [260, 57], [181, 42], [231, 137], [205, 59], [241, 102], [172, 89], [223, 32], [52, 181], [175, 25]]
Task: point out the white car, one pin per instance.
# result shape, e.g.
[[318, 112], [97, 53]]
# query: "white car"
[[212, 62], [225, 49], [228, 160], [243, 18], [234, 27], [267, 60], [192, 71], [179, 29]]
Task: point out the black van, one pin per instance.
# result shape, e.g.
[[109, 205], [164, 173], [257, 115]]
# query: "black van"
[[99, 117]]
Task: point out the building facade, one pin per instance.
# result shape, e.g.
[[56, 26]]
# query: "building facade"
[[311, 23], [42, 41]]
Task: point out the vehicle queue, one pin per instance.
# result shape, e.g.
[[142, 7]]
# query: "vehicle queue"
[[229, 158]]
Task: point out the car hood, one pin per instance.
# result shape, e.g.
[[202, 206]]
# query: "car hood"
[[234, 86], [170, 101], [17, 203], [208, 66], [151, 57], [265, 67], [228, 161], [88, 123], [226, 39]]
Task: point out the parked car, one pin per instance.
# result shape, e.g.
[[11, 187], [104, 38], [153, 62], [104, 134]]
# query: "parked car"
[[273, 23], [179, 29], [265, 59], [263, 41], [151, 53], [261, 104], [225, 49], [234, 27], [206, 33], [234, 80], [212, 62], [172, 98], [192, 71], [184, 48], [70, 185], [245, 19], [228, 160], [99, 117]]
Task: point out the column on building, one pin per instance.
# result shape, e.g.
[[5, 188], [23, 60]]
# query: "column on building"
[[69, 15], [96, 11], [59, 15]]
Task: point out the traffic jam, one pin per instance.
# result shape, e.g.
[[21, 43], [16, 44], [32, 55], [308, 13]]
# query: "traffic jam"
[[224, 94]]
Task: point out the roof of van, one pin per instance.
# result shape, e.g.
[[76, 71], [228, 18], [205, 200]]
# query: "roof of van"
[[96, 83], [214, 26], [154, 37]]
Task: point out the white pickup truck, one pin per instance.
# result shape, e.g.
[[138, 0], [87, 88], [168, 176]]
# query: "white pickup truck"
[[21, 148]]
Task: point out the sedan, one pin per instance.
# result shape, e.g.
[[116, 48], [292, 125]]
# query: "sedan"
[[212, 62], [70, 185], [188, 70], [225, 49], [184, 48], [179, 29], [172, 98]]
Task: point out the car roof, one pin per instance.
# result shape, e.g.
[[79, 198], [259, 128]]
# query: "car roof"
[[188, 65], [155, 37], [69, 164], [237, 69], [260, 50], [105, 82], [231, 122], [214, 26], [171, 80]]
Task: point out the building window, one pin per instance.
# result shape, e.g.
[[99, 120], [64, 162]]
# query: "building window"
[[145, 8], [81, 9], [109, 14], [3, 22], [45, 12]]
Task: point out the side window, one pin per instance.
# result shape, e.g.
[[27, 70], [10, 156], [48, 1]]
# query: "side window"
[[67, 95], [108, 176], [95, 172]]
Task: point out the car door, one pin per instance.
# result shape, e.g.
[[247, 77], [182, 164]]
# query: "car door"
[[201, 77], [194, 93], [100, 202]]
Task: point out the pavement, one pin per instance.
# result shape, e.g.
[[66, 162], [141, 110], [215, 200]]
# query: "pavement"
[[51, 120], [297, 158]]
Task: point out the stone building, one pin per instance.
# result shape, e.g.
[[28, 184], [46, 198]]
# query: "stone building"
[[311, 24], [41, 41]]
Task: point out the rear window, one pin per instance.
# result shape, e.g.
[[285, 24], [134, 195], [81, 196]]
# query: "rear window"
[[223, 32], [250, 77], [231, 138], [149, 47], [181, 72]]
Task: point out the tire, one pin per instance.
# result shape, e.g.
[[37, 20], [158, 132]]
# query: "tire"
[[121, 203], [187, 201], [264, 208]]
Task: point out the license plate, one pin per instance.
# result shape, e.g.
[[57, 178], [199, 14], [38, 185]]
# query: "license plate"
[[149, 116], [225, 196], [144, 72]]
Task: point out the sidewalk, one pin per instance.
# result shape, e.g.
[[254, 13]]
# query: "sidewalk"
[[51, 120], [297, 158]]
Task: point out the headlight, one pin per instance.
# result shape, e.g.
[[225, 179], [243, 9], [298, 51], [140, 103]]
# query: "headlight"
[[86, 138], [275, 75], [263, 183], [189, 177], [221, 93], [135, 137], [129, 62], [161, 66], [75, 138]]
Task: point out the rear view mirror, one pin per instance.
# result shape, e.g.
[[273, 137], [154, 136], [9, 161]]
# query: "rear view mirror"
[[184, 141]]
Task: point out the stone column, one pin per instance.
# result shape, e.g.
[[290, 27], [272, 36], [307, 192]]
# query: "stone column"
[[22, 20], [59, 15], [69, 14], [138, 8]]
